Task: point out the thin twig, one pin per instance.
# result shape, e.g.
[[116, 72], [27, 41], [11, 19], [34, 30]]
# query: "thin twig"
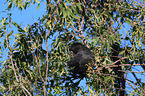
[[24, 87]]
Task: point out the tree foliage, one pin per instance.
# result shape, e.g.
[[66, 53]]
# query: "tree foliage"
[[37, 60]]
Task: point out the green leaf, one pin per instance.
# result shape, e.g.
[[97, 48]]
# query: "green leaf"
[[38, 6], [122, 52], [10, 33]]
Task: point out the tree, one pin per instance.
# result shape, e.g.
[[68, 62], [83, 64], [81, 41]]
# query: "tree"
[[34, 69]]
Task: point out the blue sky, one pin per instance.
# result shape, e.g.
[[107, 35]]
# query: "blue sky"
[[28, 16], [24, 17]]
